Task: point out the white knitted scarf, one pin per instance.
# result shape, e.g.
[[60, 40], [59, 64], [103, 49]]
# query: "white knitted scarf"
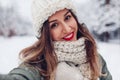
[[73, 54]]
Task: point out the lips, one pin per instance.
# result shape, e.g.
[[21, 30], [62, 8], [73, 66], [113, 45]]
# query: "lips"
[[69, 36]]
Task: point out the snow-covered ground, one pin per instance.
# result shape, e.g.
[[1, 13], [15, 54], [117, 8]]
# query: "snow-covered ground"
[[111, 53], [9, 49]]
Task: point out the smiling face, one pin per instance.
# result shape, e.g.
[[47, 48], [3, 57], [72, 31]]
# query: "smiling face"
[[63, 26]]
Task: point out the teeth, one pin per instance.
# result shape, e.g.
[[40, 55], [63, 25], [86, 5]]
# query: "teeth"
[[68, 36]]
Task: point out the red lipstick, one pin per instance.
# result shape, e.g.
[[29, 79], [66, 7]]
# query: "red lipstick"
[[69, 36]]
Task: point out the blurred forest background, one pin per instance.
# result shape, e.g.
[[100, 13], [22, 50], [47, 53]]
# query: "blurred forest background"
[[102, 18]]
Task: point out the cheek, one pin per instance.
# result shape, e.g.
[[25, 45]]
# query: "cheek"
[[73, 23], [56, 34]]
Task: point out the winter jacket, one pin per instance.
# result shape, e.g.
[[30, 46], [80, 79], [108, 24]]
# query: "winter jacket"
[[27, 72]]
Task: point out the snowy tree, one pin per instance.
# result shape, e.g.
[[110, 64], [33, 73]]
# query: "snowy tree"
[[108, 21], [102, 18], [11, 23]]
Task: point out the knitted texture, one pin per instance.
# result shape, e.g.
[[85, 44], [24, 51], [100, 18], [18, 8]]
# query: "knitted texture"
[[74, 53], [42, 9]]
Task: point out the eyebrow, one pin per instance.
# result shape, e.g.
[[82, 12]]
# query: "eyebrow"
[[52, 21], [64, 15], [67, 12]]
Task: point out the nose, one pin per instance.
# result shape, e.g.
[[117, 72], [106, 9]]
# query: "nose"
[[66, 27]]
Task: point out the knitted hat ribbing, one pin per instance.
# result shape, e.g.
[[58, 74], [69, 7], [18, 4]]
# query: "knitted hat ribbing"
[[42, 9]]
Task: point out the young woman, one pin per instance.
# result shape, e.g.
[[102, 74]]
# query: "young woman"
[[65, 49]]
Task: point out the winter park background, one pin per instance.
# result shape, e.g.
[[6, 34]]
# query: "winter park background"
[[102, 18]]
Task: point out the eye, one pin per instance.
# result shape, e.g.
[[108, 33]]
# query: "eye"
[[53, 25], [67, 17]]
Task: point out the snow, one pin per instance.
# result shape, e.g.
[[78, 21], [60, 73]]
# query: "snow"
[[111, 53], [10, 48]]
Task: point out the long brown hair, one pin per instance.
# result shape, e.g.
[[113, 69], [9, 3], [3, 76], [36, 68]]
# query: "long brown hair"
[[41, 54], [91, 49]]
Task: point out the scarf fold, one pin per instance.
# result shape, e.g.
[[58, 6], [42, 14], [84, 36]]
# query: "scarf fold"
[[74, 54]]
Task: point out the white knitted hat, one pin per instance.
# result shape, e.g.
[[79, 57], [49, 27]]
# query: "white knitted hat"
[[42, 9]]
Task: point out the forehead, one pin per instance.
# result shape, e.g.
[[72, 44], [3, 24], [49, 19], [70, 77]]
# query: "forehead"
[[58, 13]]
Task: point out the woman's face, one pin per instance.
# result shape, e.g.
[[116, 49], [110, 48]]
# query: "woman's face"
[[63, 26]]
